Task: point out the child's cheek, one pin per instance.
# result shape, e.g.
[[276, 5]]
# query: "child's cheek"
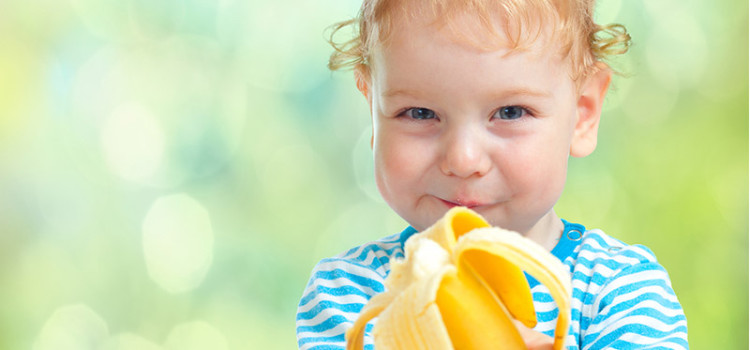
[[392, 170], [540, 170]]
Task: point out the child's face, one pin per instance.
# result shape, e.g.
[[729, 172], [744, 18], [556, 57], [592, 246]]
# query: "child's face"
[[455, 125]]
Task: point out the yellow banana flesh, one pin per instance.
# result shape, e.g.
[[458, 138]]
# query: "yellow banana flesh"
[[464, 303], [459, 286]]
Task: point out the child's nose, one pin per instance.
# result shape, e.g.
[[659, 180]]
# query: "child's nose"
[[464, 155]]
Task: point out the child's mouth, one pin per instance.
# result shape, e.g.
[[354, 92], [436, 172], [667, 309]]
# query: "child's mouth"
[[461, 203]]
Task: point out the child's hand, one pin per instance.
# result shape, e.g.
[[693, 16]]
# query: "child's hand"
[[533, 339]]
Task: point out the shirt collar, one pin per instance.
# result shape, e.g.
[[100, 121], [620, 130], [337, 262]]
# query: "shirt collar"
[[569, 240]]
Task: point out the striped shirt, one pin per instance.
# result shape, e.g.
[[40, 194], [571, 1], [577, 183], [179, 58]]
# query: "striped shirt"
[[622, 297]]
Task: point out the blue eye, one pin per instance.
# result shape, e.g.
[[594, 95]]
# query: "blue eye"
[[510, 112], [420, 113]]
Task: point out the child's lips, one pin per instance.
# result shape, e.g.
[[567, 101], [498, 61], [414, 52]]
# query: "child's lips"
[[463, 203]]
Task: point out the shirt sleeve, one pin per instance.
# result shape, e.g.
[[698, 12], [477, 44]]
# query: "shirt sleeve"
[[337, 291], [637, 309]]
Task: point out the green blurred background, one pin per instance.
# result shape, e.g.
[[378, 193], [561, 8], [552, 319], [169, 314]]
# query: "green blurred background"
[[170, 171]]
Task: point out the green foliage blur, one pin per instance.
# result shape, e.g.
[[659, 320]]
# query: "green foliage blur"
[[171, 171]]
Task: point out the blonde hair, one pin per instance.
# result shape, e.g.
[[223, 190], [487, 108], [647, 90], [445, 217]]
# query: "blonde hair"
[[584, 41]]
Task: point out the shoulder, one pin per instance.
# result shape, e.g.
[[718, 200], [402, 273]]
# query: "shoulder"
[[375, 255], [623, 290], [602, 264], [608, 256], [363, 268], [340, 286]]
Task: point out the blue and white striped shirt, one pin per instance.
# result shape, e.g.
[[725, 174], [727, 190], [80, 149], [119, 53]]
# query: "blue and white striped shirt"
[[622, 297]]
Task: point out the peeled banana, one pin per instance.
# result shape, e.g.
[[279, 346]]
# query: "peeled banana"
[[460, 286]]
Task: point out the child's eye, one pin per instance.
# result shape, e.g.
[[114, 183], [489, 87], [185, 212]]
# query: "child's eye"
[[510, 112], [420, 113]]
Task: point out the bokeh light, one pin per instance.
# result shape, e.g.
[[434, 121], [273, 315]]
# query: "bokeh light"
[[73, 327], [133, 143], [130, 341], [171, 171], [196, 335], [177, 243]]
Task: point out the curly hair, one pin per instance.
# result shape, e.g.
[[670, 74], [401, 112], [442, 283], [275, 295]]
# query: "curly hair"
[[584, 41]]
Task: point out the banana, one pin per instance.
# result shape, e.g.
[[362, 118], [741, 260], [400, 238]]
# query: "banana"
[[460, 286]]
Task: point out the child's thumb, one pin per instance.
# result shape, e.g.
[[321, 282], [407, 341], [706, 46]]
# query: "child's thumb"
[[533, 339]]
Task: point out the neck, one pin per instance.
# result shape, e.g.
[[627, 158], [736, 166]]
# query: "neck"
[[547, 231]]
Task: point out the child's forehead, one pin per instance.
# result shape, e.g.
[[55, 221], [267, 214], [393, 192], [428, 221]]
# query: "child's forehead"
[[481, 29], [465, 30], [509, 24]]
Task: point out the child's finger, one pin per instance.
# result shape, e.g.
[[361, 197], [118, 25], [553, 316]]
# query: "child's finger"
[[533, 339]]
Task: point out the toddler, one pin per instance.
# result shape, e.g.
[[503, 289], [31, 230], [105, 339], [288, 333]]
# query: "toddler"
[[480, 103]]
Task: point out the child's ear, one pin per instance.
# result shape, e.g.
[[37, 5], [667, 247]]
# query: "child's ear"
[[363, 83], [590, 101]]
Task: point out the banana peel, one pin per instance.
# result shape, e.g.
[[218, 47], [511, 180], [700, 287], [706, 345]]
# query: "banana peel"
[[460, 286]]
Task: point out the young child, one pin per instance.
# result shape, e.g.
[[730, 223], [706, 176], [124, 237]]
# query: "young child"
[[480, 104]]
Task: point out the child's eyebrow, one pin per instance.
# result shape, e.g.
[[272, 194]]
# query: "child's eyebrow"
[[400, 92], [522, 91]]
